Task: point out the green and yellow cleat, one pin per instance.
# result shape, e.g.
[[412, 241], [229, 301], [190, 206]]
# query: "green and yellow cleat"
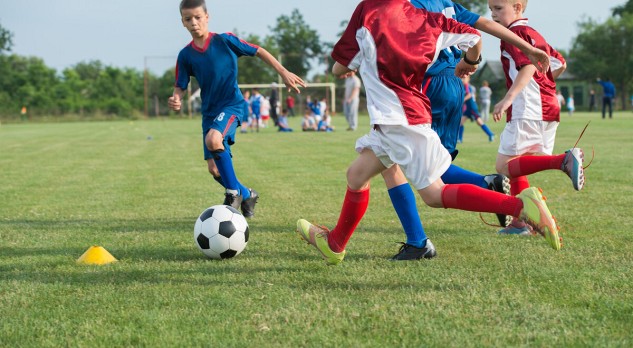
[[536, 214], [317, 237]]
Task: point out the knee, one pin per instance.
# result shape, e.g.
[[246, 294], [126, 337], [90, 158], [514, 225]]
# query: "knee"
[[355, 179], [432, 198], [214, 141]]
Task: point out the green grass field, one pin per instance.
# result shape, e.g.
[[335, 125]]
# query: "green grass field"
[[67, 186]]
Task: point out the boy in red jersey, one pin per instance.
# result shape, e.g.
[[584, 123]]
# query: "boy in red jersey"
[[532, 109], [392, 43]]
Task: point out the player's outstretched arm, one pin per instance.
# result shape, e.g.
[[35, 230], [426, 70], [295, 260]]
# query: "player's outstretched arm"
[[291, 80], [538, 57], [523, 78]]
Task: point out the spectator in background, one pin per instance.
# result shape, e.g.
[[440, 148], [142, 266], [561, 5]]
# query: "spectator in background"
[[273, 99], [290, 105], [485, 93], [561, 99], [283, 122], [608, 93], [570, 105], [592, 100], [352, 100]]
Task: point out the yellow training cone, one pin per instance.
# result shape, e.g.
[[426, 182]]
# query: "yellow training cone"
[[96, 255]]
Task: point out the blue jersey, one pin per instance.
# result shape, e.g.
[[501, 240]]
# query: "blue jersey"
[[449, 57], [608, 88], [215, 68]]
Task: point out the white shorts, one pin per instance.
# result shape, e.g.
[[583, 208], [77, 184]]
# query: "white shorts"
[[416, 149], [523, 136]]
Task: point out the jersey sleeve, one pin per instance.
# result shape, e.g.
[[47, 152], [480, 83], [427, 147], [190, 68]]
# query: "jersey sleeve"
[[183, 71], [454, 33], [346, 50], [556, 59], [462, 15], [239, 46], [531, 36]]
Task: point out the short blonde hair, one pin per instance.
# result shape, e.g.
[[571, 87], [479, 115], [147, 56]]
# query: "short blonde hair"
[[522, 2]]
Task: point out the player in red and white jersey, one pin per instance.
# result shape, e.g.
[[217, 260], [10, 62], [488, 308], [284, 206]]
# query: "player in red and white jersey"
[[392, 43], [532, 109]]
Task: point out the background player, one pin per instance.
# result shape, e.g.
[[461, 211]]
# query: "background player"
[[533, 112], [471, 111], [212, 59]]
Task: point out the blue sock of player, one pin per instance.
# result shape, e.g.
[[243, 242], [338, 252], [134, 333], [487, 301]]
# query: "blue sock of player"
[[246, 193], [224, 163], [403, 200], [460, 135], [457, 175], [487, 130]]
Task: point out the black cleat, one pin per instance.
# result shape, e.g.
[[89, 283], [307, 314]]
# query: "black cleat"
[[232, 200], [409, 252], [499, 183], [248, 205]]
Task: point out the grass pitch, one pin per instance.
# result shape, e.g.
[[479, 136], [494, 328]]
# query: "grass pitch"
[[136, 189]]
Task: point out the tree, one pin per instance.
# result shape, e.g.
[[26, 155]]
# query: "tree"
[[298, 44], [624, 9], [604, 50], [5, 40]]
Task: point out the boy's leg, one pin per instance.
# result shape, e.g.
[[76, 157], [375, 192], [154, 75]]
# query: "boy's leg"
[[331, 244], [570, 163], [529, 206]]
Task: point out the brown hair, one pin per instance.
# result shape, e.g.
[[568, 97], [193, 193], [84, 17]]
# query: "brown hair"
[[189, 4]]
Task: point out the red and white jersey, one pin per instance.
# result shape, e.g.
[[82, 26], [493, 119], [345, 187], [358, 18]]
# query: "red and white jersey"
[[538, 99], [392, 43]]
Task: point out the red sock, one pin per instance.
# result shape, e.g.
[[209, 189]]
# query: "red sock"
[[518, 184], [526, 165], [354, 208], [475, 198]]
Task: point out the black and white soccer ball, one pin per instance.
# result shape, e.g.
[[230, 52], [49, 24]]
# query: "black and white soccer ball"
[[221, 232]]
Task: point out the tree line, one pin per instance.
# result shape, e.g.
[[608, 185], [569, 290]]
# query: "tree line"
[[29, 88]]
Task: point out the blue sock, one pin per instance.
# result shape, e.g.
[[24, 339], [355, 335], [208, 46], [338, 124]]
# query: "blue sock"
[[246, 193], [457, 175], [460, 135], [224, 163], [403, 201], [487, 130]]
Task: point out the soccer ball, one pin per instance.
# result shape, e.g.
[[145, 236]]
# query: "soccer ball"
[[221, 232]]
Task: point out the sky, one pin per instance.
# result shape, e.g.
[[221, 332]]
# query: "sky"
[[148, 33]]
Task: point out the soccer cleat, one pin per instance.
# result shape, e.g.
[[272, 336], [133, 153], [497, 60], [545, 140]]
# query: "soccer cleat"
[[499, 183], [410, 252], [248, 205], [572, 166], [232, 200], [517, 228], [317, 237], [536, 214]]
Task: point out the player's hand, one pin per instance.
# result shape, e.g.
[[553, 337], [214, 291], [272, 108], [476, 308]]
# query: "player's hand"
[[540, 59], [293, 81], [464, 69], [174, 102], [500, 108]]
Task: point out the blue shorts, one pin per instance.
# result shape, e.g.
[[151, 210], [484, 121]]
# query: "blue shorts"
[[446, 93], [471, 111], [226, 122]]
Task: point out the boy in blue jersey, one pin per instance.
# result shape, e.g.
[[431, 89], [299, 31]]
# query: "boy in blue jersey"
[[212, 59], [446, 94]]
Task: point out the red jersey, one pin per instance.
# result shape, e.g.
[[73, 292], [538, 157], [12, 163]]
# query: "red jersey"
[[538, 99], [392, 43]]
